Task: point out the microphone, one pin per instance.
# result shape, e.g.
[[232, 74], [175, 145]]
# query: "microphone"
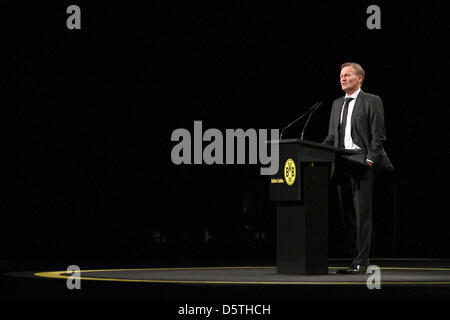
[[317, 106], [314, 107]]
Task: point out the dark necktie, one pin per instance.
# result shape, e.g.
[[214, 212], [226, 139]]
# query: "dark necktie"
[[343, 122]]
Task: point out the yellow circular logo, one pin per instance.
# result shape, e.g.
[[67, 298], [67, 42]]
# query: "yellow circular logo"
[[289, 172]]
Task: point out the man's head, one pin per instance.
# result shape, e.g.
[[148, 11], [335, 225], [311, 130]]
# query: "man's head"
[[352, 76]]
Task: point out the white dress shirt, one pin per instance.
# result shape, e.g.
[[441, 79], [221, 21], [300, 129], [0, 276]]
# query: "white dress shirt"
[[348, 141]]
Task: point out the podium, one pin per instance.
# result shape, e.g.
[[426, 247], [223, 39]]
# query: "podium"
[[301, 191]]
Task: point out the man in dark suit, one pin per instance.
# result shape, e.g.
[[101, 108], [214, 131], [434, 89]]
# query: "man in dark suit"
[[357, 123]]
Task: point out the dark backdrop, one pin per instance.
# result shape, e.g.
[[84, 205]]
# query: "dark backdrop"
[[87, 117]]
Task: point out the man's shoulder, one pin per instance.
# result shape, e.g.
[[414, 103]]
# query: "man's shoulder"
[[338, 100], [369, 96]]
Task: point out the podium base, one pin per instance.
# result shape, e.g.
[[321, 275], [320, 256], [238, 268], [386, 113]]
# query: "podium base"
[[302, 227]]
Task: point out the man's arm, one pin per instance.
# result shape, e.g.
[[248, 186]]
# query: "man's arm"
[[377, 129]]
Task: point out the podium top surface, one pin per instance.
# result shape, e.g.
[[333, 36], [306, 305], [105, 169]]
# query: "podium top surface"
[[316, 145]]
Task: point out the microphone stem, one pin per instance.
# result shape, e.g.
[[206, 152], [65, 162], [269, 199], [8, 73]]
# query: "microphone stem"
[[306, 124], [312, 109], [307, 120]]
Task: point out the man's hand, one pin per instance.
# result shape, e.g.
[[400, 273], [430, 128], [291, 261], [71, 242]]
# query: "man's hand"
[[370, 163]]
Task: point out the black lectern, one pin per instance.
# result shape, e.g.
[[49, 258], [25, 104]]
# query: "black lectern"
[[301, 190]]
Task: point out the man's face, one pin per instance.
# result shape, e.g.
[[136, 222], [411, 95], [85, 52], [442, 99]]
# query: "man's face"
[[350, 81]]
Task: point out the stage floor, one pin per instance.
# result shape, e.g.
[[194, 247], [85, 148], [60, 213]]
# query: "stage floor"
[[398, 276], [399, 279]]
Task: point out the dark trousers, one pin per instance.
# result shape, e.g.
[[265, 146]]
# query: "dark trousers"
[[355, 189]]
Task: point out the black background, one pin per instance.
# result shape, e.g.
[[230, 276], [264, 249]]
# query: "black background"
[[87, 117]]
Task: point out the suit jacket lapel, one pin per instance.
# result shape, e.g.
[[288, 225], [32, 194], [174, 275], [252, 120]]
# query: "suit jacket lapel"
[[357, 106]]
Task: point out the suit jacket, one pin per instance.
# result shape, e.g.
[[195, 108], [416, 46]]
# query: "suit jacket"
[[367, 129]]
